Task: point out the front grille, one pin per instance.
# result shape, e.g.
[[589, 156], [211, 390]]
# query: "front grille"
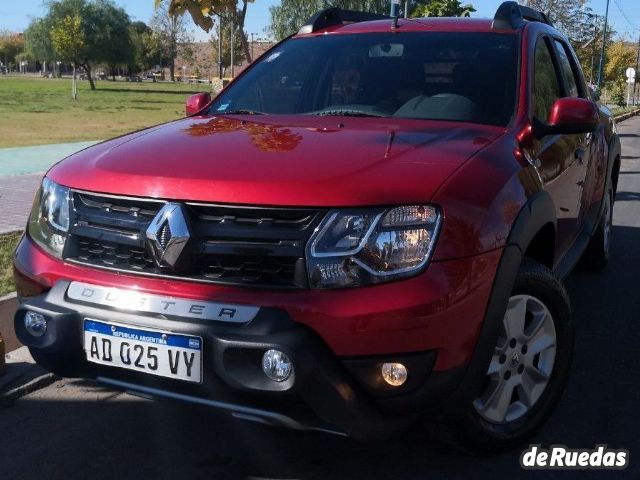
[[113, 255], [234, 245]]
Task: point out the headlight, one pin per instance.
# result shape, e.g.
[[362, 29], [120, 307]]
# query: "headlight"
[[366, 246], [49, 219]]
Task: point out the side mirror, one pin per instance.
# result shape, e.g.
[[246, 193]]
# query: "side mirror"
[[572, 115], [197, 102]]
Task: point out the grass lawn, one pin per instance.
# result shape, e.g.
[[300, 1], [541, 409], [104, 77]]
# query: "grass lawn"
[[8, 242], [38, 111]]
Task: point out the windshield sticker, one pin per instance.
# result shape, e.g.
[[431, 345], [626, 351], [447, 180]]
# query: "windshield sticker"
[[223, 107], [273, 56]]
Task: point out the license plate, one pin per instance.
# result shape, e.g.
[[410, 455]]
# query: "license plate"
[[155, 352]]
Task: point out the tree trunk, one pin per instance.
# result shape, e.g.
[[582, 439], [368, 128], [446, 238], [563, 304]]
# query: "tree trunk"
[[172, 70], [74, 91], [243, 35], [87, 67], [245, 46]]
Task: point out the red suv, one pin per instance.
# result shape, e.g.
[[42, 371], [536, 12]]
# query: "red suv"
[[368, 226]]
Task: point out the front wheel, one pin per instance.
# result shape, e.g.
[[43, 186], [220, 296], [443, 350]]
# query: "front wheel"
[[528, 369]]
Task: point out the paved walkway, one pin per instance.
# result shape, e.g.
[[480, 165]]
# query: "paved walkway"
[[16, 196], [20, 160], [20, 172]]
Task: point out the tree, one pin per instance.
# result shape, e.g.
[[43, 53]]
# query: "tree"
[[568, 16], [145, 51], [38, 42], [11, 45], [620, 56], [443, 8], [170, 32], [232, 12], [67, 37], [105, 33], [68, 40], [114, 37], [587, 44]]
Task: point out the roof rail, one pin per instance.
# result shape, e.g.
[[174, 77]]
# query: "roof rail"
[[336, 16], [511, 15]]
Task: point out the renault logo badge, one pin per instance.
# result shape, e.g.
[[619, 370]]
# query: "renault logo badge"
[[168, 235]]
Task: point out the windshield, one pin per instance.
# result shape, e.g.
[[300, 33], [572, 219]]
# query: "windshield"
[[455, 76]]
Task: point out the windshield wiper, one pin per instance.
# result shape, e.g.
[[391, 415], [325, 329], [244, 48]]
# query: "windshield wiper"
[[241, 112], [347, 113]]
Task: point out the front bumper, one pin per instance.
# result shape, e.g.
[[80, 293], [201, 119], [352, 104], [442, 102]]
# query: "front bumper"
[[329, 394]]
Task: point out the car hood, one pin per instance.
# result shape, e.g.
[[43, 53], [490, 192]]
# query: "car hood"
[[277, 160]]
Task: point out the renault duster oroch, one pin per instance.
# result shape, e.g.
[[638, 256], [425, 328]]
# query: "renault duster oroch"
[[369, 225]]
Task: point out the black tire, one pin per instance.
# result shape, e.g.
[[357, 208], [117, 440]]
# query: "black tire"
[[466, 428], [596, 256]]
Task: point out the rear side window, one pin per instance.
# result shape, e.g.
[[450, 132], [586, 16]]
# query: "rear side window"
[[546, 88], [571, 86]]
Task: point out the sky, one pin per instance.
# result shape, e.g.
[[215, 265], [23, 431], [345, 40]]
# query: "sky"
[[624, 15]]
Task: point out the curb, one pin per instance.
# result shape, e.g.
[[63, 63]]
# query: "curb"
[[8, 304], [37, 383], [624, 116], [13, 230], [7, 297]]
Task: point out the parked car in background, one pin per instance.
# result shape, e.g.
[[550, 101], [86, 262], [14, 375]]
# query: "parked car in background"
[[369, 226]]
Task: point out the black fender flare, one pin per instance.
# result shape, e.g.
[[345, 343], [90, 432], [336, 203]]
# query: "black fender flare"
[[534, 215]]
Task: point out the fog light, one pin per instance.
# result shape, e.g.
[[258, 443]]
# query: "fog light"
[[35, 323], [276, 365], [395, 374]]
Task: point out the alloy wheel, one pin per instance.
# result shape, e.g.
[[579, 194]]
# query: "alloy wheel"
[[522, 362]]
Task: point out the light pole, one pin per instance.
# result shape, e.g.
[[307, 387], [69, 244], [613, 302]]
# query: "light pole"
[[220, 47], [232, 42], [635, 79], [604, 42], [593, 51]]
